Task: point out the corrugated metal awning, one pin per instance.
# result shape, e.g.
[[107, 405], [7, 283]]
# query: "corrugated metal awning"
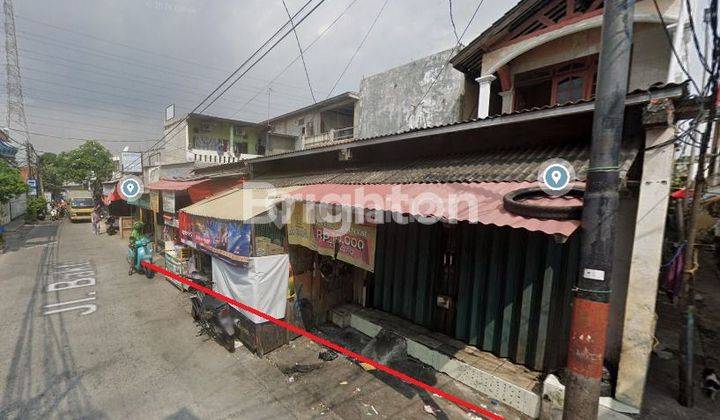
[[238, 203], [502, 165], [173, 185], [471, 202]]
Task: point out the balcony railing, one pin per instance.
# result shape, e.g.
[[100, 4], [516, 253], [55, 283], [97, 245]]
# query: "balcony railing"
[[333, 135]]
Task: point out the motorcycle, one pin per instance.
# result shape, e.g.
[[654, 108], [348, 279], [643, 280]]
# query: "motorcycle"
[[110, 226], [214, 317], [138, 251]]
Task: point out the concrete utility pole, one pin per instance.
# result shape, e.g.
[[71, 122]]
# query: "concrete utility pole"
[[588, 328]]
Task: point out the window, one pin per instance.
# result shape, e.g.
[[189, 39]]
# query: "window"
[[241, 148], [569, 89], [558, 84]]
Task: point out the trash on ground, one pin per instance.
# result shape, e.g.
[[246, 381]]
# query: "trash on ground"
[[367, 366], [343, 383], [430, 409], [327, 355]]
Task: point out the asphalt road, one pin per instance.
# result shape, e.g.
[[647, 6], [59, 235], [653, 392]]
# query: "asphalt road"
[[79, 338]]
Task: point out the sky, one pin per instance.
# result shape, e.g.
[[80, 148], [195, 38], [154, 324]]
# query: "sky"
[[106, 69]]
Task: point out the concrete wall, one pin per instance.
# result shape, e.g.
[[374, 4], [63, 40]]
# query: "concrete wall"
[[175, 147], [621, 268], [280, 144], [387, 99]]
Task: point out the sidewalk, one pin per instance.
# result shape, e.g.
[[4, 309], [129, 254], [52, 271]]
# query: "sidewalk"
[[14, 224]]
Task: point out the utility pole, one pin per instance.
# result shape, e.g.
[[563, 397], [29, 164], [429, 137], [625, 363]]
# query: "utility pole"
[[686, 395], [588, 328]]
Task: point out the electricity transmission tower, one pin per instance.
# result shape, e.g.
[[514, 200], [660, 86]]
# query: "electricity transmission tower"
[[16, 119]]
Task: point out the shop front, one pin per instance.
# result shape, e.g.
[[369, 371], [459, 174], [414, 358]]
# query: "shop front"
[[242, 252]]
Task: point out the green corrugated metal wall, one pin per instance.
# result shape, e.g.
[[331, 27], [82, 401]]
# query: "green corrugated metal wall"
[[513, 286]]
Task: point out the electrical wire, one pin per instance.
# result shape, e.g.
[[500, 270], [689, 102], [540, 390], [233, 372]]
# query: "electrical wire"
[[165, 136], [357, 50], [447, 62], [153, 53], [672, 47], [263, 55], [452, 22], [35, 133], [701, 56], [281, 72], [302, 56]]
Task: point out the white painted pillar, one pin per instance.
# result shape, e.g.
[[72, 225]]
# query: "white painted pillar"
[[484, 95], [507, 101], [639, 326]]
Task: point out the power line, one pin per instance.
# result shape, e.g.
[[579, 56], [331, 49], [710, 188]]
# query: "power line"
[[452, 22], [362, 42], [85, 139], [146, 51], [672, 47], [701, 56], [164, 84], [281, 72], [447, 62], [263, 55], [302, 56], [256, 52]]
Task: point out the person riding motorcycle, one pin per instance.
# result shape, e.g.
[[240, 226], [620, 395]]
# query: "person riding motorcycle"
[[138, 250]]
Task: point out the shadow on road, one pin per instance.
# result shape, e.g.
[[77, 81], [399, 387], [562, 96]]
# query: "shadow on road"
[[53, 386]]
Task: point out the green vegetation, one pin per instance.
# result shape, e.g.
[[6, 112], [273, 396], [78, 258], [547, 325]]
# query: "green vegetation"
[[11, 182], [35, 206]]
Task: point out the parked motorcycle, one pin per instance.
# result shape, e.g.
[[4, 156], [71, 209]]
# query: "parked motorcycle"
[[214, 317], [140, 250], [110, 226]]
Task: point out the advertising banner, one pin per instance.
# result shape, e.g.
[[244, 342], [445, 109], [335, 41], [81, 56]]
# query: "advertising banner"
[[299, 232], [227, 239], [262, 284], [155, 201], [168, 201], [356, 247]]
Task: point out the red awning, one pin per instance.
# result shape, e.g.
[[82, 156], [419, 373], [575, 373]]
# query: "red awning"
[[475, 203], [170, 185], [113, 196], [210, 187]]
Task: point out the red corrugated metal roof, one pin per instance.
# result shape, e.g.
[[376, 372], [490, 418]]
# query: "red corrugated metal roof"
[[475, 203], [169, 185]]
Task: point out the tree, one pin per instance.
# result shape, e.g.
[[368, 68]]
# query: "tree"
[[11, 182], [90, 164], [50, 172]]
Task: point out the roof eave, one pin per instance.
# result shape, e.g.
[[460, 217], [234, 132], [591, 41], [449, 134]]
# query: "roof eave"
[[672, 92]]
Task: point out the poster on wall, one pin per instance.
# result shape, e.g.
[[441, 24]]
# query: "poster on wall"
[[356, 247], [168, 201], [227, 239], [155, 201], [299, 232]]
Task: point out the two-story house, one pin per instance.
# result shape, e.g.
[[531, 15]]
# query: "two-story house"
[[324, 122], [545, 52]]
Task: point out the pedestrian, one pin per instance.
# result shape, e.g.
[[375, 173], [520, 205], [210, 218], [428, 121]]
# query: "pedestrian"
[[95, 219]]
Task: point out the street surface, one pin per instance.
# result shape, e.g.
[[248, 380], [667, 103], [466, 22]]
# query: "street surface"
[[79, 338], [127, 347]]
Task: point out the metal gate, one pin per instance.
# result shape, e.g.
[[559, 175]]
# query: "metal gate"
[[504, 290]]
